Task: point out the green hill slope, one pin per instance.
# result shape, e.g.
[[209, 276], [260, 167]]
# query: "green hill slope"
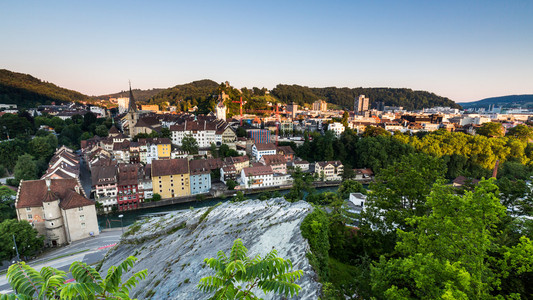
[[139, 95], [27, 91], [344, 97]]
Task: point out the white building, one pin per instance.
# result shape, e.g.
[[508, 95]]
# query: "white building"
[[123, 104], [337, 128], [203, 132], [258, 150], [257, 177]]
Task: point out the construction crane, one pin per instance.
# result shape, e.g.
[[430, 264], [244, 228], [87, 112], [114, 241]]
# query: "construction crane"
[[241, 104]]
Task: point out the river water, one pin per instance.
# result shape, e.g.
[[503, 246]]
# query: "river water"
[[129, 217]]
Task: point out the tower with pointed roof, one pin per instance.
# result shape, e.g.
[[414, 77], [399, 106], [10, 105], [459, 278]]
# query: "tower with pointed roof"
[[131, 117], [221, 110]]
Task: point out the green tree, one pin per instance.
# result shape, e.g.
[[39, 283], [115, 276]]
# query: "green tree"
[[189, 144], [239, 197], [101, 130], [400, 190], [40, 147], [447, 254], [345, 116], [375, 131], [28, 239], [231, 184], [7, 203], [237, 275], [491, 129], [302, 183], [521, 132], [49, 283], [241, 132], [25, 169], [350, 186], [156, 197]]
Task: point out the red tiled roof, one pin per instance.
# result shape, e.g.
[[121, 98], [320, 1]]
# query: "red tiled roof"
[[198, 166], [265, 146], [170, 167], [274, 159], [32, 193], [258, 171]]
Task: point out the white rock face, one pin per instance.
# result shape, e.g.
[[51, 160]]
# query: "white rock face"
[[174, 247]]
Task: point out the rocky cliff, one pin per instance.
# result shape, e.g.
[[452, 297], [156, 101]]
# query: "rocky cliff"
[[173, 247]]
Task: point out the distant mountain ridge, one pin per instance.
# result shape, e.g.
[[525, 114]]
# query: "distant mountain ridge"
[[27, 91], [138, 94], [524, 101]]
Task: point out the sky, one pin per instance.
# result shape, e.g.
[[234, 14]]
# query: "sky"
[[463, 50]]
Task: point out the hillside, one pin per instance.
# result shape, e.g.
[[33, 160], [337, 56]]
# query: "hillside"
[[172, 248], [344, 97], [524, 101], [139, 95], [27, 91]]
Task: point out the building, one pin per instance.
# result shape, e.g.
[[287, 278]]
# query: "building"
[[257, 177], [151, 149], [200, 177], [145, 183], [277, 162], [131, 117], [259, 135], [287, 152], [337, 128], [202, 131], [150, 107], [123, 105], [57, 209], [302, 164], [258, 150], [329, 170], [128, 186], [320, 105], [292, 109], [104, 186], [228, 172], [221, 110], [239, 162], [170, 178], [361, 105]]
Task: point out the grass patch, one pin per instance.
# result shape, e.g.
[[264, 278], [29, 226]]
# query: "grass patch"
[[133, 229], [204, 215]]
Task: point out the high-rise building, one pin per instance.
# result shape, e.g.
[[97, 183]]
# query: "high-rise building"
[[123, 104], [293, 109], [361, 105], [320, 105]]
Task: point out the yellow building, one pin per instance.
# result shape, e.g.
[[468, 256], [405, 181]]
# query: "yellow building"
[[170, 178], [164, 149], [150, 107]]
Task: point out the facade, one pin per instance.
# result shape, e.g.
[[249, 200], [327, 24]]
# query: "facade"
[[287, 152], [329, 170], [203, 132], [302, 164], [104, 186], [128, 186], [337, 128], [257, 177], [277, 162], [292, 109], [260, 136], [320, 105], [131, 117], [58, 209], [239, 162], [170, 178], [153, 107], [123, 105], [154, 148], [258, 150], [228, 172], [361, 105], [221, 110], [200, 177]]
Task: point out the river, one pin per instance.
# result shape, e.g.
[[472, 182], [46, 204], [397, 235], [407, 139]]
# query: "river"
[[129, 217]]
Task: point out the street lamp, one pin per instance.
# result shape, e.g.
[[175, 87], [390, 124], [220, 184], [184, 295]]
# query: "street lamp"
[[121, 226], [16, 249]]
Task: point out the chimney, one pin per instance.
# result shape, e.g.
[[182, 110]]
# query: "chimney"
[[48, 182]]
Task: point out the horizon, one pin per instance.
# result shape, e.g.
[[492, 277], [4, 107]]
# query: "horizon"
[[462, 51]]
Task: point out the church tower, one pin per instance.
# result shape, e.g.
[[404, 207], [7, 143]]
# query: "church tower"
[[131, 117]]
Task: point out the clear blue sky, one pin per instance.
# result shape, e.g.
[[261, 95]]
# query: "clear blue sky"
[[464, 50]]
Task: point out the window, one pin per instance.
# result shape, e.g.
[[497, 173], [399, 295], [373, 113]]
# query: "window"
[[80, 209], [82, 217], [30, 216], [51, 223], [82, 225], [28, 208]]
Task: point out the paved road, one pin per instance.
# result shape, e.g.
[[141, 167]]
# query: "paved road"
[[94, 249]]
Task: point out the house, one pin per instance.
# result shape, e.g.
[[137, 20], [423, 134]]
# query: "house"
[[337, 128], [257, 177], [200, 176], [239, 162], [170, 178], [276, 161], [146, 125], [57, 209], [154, 148], [329, 170], [358, 199], [461, 181], [287, 152], [145, 183], [258, 150], [128, 186], [302, 164], [202, 131], [104, 186], [228, 172], [364, 173]]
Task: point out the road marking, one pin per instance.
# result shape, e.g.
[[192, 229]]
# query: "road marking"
[[108, 246]]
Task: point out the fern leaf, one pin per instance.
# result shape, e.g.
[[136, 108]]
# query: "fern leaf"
[[84, 273], [133, 280], [24, 279]]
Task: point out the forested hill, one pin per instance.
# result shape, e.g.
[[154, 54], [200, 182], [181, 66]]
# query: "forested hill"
[[27, 91], [187, 95], [344, 97], [524, 101], [138, 94]]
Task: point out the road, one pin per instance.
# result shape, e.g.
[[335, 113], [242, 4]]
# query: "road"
[[85, 177], [90, 251]]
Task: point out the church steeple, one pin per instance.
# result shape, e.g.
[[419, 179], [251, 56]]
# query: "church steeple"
[[132, 107]]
